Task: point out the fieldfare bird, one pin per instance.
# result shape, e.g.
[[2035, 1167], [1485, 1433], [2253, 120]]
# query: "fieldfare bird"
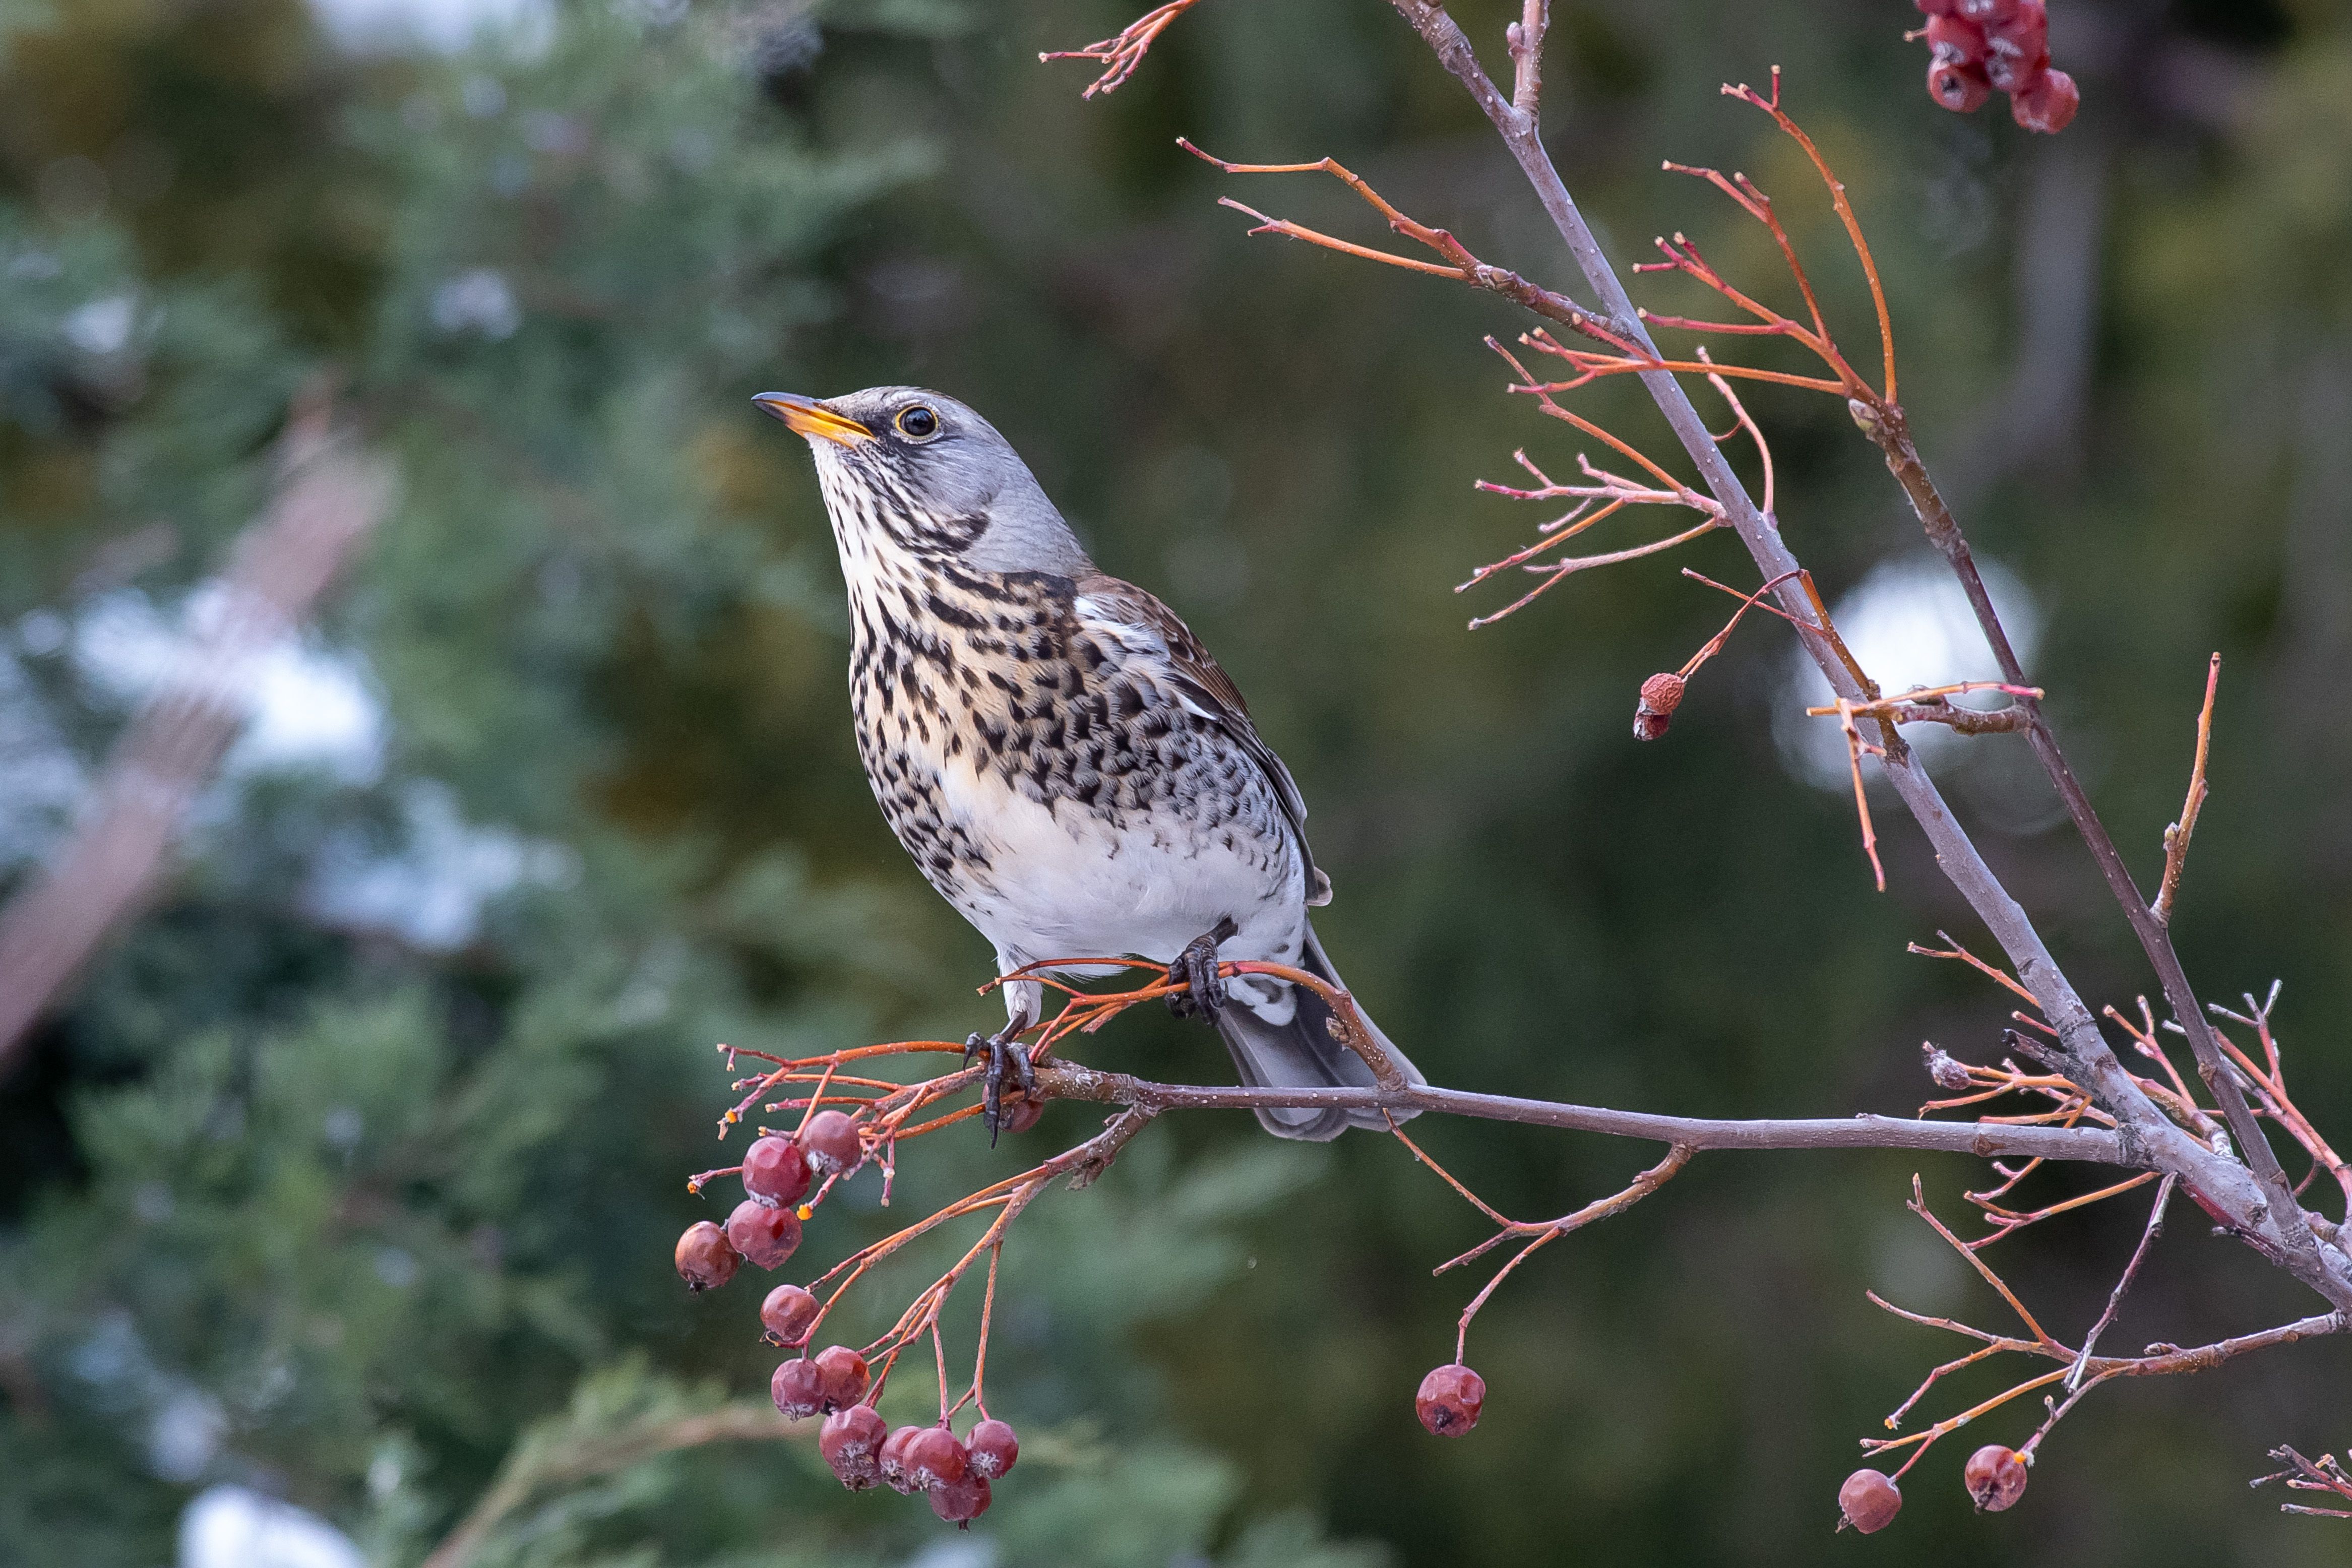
[[1062, 757]]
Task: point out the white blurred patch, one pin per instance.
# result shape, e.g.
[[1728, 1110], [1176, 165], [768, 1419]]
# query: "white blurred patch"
[[41, 779], [956, 1551], [430, 892], [234, 1527], [102, 327], [306, 706], [444, 26], [1909, 624], [185, 1434], [477, 301]]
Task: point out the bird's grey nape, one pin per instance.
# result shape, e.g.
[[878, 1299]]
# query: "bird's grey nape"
[[966, 471]]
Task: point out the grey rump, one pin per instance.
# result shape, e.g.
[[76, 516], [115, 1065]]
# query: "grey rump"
[[1063, 759]]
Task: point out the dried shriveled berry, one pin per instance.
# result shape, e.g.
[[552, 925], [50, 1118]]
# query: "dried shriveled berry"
[[1948, 1072], [1996, 1476], [992, 1447], [705, 1259], [788, 1314], [830, 1141], [843, 1374], [798, 1389], [850, 1442], [1956, 86], [961, 1502], [2048, 105], [934, 1458], [775, 1171], [1450, 1400], [1661, 695], [765, 1236], [1869, 1499]]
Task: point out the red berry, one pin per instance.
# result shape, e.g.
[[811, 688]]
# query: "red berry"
[[844, 1372], [1450, 1400], [1988, 11], [788, 1314], [895, 1473], [1962, 89], [1951, 38], [798, 1389], [705, 1260], [2018, 51], [1996, 1476], [2048, 104], [960, 1503], [850, 1442], [992, 1447], [1022, 1113], [765, 1236], [775, 1172], [830, 1141], [1869, 1499], [934, 1458]]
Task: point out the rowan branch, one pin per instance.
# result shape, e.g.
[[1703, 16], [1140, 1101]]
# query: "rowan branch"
[[2256, 1203]]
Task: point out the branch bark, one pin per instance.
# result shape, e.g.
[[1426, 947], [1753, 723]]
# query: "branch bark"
[[1066, 1081]]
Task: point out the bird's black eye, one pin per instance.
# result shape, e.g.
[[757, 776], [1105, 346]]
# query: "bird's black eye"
[[918, 423]]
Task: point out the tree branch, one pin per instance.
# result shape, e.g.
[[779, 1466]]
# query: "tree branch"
[[1066, 1081], [2255, 1204]]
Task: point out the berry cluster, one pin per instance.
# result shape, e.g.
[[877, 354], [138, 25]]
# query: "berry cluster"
[[786, 1176], [1978, 47], [835, 1383], [1995, 1477], [766, 1226]]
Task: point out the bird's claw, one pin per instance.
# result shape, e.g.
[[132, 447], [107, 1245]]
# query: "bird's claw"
[[1205, 989], [1005, 1058]]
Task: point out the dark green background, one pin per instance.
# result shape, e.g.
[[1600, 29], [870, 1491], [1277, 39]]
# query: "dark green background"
[[605, 614]]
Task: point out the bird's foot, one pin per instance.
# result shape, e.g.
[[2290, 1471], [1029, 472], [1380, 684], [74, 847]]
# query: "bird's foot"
[[1006, 1060], [1205, 989]]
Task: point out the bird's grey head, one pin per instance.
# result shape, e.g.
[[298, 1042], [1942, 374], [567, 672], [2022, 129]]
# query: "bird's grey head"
[[914, 473]]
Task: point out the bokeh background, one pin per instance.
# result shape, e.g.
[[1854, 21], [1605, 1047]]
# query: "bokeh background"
[[358, 1157]]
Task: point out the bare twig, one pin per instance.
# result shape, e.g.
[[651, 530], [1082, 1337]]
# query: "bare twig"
[[1124, 50], [2131, 1270], [1459, 264], [2177, 836]]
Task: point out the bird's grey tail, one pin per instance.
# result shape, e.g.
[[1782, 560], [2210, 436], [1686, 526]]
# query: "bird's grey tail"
[[1302, 1054]]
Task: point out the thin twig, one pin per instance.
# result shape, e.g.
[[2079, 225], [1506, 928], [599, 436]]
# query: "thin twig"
[[2131, 1270], [2177, 836]]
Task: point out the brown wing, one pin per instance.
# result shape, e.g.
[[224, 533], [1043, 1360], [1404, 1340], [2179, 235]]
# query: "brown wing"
[[1206, 686]]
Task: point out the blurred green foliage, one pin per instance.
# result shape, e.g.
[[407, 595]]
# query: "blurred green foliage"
[[349, 1204]]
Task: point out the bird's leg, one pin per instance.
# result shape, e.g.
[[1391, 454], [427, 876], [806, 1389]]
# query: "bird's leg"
[[1205, 991], [1005, 1058]]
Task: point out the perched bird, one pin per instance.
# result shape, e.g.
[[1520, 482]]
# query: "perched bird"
[[1063, 759]]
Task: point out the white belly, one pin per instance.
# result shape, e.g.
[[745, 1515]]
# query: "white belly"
[[1066, 883]]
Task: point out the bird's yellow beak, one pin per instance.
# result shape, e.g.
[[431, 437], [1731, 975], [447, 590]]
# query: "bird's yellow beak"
[[807, 416]]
